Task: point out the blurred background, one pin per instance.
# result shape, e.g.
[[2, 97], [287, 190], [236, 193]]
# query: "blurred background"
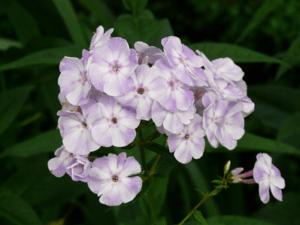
[[261, 36]]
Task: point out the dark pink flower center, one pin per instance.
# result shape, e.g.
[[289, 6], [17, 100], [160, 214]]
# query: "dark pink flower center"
[[115, 67], [115, 178], [114, 120], [172, 84], [186, 137], [84, 125], [141, 90]]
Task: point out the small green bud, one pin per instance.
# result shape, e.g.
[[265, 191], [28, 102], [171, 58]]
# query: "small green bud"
[[226, 168]]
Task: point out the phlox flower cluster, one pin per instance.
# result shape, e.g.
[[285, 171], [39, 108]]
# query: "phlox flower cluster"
[[105, 94]]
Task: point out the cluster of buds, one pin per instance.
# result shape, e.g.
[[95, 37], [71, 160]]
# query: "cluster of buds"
[[105, 94]]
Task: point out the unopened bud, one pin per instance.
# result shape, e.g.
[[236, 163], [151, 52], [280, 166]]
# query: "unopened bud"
[[226, 168]]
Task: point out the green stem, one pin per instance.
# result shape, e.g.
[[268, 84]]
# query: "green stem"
[[151, 196], [150, 136], [195, 208], [151, 191], [142, 151]]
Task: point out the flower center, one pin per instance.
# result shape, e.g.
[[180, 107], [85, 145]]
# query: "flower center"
[[115, 68], [187, 136], [141, 90], [114, 120], [115, 178], [172, 83], [84, 125]]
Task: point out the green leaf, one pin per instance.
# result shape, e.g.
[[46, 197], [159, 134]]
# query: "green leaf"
[[281, 213], [163, 168], [46, 142], [99, 9], [292, 57], [11, 103], [289, 132], [135, 6], [22, 180], [23, 23], [45, 57], [274, 103], [164, 30], [255, 143], [126, 28], [198, 180], [157, 148], [16, 209], [6, 43], [162, 221], [198, 215], [217, 181], [67, 13], [235, 220], [259, 16], [132, 31], [237, 53], [51, 191], [217, 191], [290, 127]]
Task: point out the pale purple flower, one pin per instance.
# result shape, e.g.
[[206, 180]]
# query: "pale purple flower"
[[146, 53], [176, 96], [100, 38], [117, 125], [223, 88], [148, 86], [75, 129], [186, 64], [245, 100], [59, 164], [66, 105], [172, 121], [162, 130], [189, 143], [110, 179], [267, 176], [112, 66], [96, 94], [79, 169], [198, 95], [74, 80], [223, 121], [223, 68]]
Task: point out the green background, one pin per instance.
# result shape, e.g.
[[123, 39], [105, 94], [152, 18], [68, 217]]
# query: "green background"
[[261, 36]]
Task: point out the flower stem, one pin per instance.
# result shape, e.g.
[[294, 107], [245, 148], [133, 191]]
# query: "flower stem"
[[192, 211], [151, 196], [142, 151], [151, 135], [151, 191]]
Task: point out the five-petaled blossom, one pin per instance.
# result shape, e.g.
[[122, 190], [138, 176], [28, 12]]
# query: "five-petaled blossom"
[[74, 80], [189, 143], [58, 165], [267, 176], [110, 179], [117, 125], [75, 128], [111, 67]]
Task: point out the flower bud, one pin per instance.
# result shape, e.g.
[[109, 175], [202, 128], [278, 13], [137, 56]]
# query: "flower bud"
[[226, 168]]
